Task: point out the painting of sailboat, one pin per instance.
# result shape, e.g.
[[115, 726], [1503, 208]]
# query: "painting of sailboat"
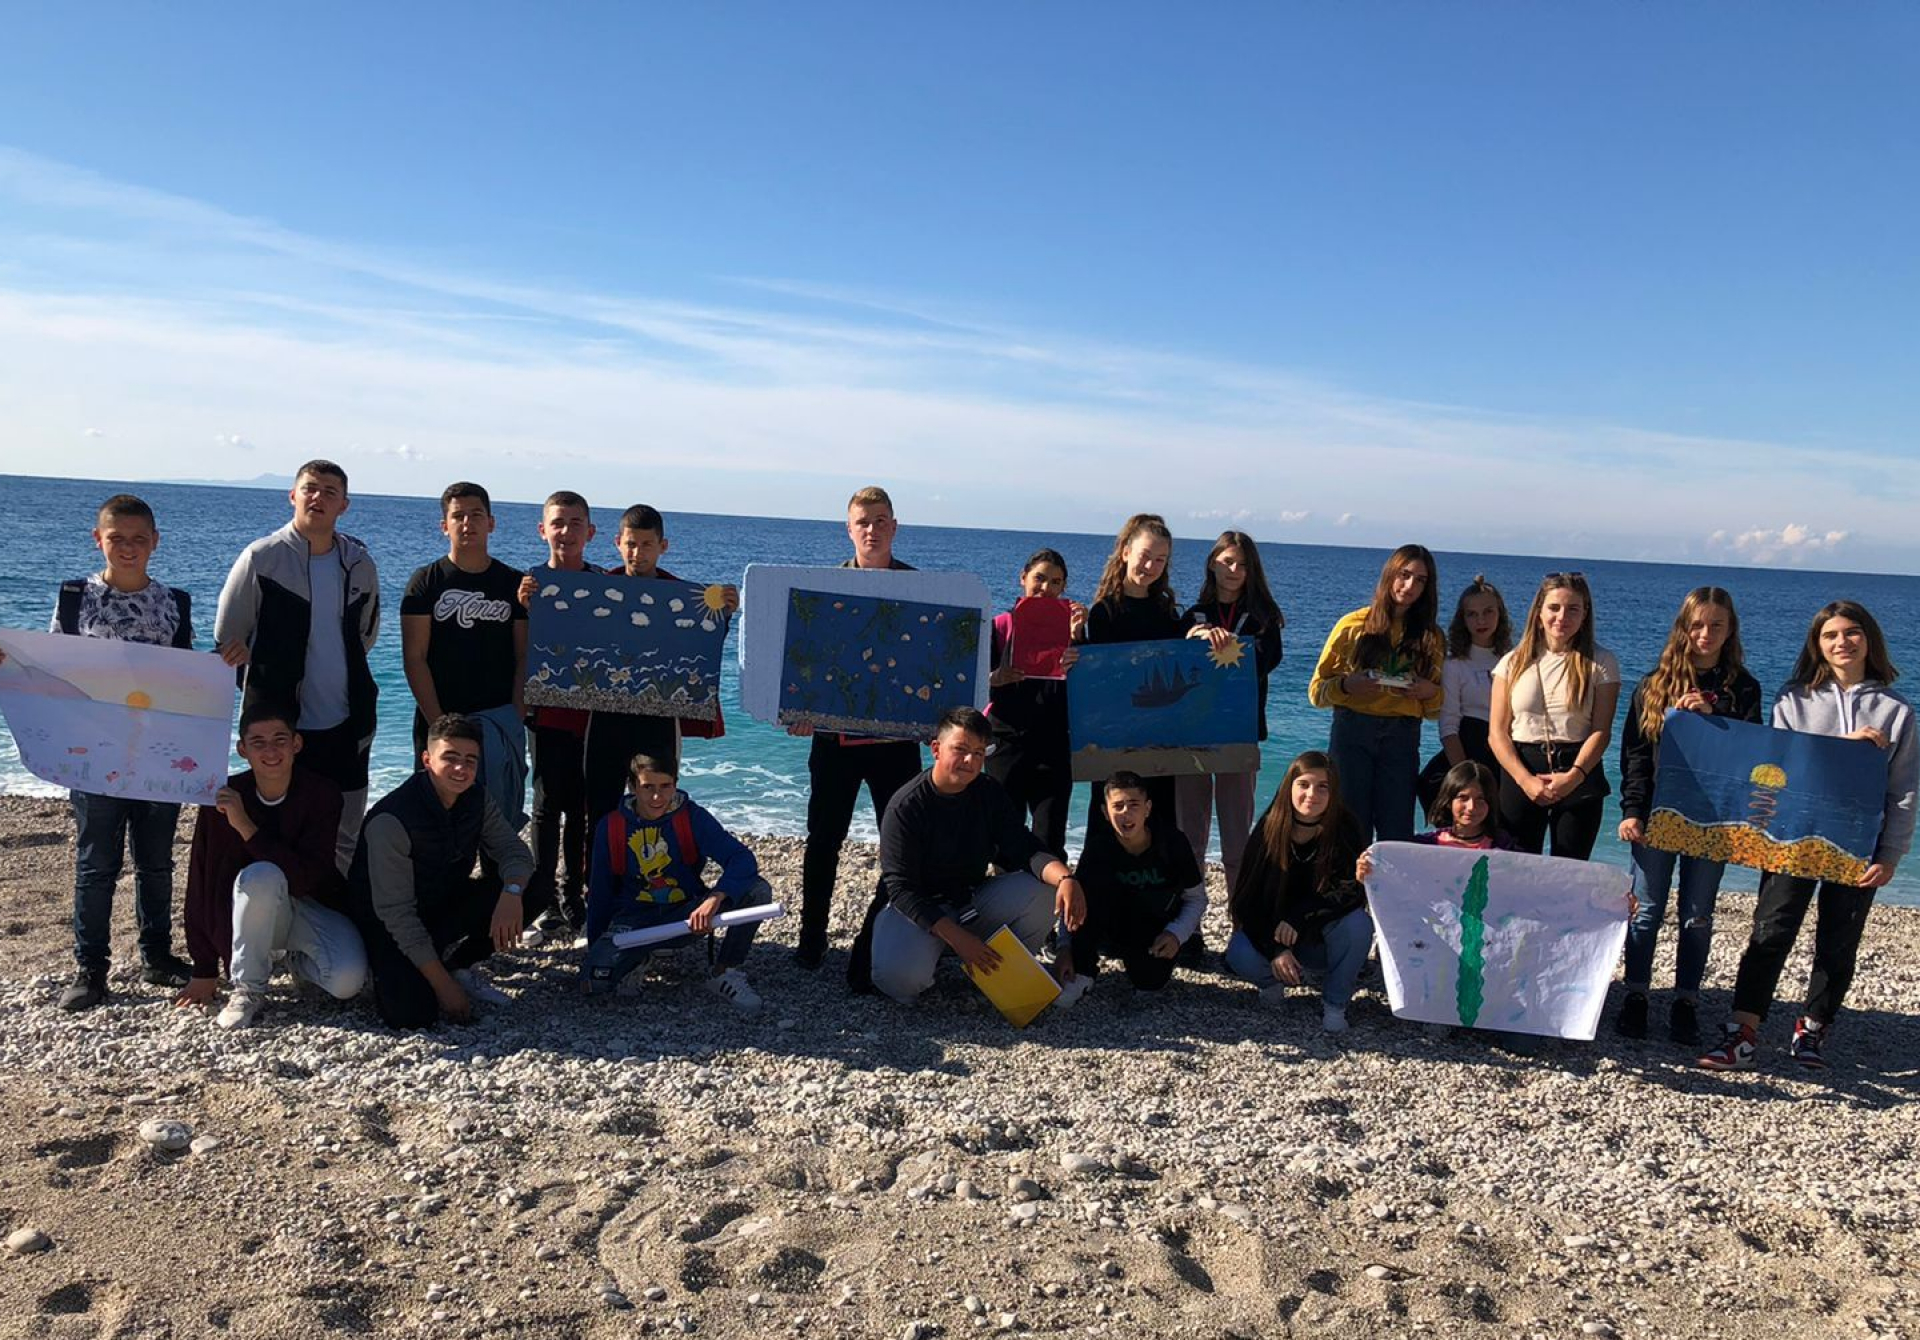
[[1163, 708]]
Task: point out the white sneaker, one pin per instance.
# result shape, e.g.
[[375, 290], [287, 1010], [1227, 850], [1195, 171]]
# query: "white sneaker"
[[479, 990], [533, 936], [241, 1008], [1070, 992], [732, 986], [1332, 1019]]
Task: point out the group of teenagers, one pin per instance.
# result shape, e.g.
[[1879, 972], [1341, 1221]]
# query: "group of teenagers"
[[291, 867]]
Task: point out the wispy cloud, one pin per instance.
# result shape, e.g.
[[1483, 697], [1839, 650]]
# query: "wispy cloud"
[[1792, 543], [170, 320]]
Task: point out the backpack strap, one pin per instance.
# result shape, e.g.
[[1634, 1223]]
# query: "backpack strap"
[[67, 610], [683, 834], [183, 606], [617, 843]]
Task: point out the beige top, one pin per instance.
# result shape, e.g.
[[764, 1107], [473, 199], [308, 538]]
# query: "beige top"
[[1542, 707]]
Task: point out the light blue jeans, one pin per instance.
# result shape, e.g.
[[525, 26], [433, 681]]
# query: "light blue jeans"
[[1341, 954], [319, 943], [904, 956], [1652, 885]]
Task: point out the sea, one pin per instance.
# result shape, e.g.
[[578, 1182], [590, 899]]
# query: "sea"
[[755, 777]]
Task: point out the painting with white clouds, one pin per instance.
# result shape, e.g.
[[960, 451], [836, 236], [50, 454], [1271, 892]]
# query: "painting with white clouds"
[[613, 643]]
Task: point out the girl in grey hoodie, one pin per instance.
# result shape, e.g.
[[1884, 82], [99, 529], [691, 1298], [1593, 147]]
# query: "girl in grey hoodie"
[[1840, 686]]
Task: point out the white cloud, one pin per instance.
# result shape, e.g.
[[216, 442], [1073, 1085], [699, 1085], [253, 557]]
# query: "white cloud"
[[233, 440], [1793, 543], [181, 319], [91, 432]]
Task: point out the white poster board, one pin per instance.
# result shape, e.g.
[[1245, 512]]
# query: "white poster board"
[[1496, 939], [765, 605], [118, 718]]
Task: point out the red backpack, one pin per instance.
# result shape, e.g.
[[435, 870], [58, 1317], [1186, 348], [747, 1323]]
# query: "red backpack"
[[682, 830]]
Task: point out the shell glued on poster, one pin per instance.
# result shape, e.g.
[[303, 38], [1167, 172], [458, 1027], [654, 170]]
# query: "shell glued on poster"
[[612, 643], [871, 653]]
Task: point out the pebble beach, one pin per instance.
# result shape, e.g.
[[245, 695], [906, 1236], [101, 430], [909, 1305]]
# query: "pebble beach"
[[1190, 1163]]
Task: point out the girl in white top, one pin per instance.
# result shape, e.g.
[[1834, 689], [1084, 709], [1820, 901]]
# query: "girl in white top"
[[1478, 636], [1551, 718]]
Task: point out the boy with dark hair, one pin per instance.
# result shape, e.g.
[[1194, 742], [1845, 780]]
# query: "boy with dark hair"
[[557, 744], [648, 857], [463, 641], [941, 832], [121, 601], [301, 610], [427, 918], [1145, 895], [261, 878], [613, 738], [838, 765]]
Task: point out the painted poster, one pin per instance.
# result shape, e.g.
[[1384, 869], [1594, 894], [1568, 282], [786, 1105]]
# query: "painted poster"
[[1497, 939], [869, 653], [1041, 628], [613, 643], [1780, 800], [1169, 708], [118, 718]]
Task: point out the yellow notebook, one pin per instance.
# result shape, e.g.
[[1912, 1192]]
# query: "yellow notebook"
[[1019, 988]]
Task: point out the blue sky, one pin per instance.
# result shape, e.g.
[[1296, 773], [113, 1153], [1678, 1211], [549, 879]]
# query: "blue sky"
[[1622, 280]]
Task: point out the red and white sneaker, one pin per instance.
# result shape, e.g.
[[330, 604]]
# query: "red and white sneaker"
[[1735, 1052], [1807, 1039]]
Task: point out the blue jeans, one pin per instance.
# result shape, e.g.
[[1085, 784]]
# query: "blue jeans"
[[103, 826], [607, 964], [1340, 954], [1699, 890], [317, 942], [1378, 759]]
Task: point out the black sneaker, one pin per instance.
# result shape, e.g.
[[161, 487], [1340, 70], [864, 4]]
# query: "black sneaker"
[[1805, 1047], [810, 953], [1631, 1022], [167, 969], [1683, 1023], [88, 988]]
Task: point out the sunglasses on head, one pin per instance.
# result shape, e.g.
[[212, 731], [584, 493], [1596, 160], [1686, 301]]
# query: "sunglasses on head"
[[1562, 578]]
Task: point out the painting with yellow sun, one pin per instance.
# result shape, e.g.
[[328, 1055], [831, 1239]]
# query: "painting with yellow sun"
[[118, 718], [1165, 708], [1752, 795], [645, 646]]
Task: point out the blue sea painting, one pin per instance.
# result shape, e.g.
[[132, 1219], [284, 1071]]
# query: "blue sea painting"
[[1171, 707], [613, 643], [1779, 800], [873, 666]]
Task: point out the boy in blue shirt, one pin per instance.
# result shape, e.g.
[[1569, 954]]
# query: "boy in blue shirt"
[[648, 857], [122, 601]]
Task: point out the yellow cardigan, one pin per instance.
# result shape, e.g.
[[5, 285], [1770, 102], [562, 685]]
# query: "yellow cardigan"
[[1337, 661]]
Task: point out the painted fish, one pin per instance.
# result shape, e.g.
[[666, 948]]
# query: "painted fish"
[[185, 764]]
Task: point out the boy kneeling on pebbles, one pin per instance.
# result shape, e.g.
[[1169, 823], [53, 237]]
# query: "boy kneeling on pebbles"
[[262, 882], [648, 856]]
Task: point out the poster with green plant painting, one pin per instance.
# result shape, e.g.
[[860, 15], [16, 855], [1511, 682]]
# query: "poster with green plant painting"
[[875, 666]]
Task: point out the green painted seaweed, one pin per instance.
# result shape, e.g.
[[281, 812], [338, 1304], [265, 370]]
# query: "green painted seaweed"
[[1468, 991]]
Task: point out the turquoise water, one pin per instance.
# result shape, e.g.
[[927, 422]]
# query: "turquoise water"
[[756, 777]]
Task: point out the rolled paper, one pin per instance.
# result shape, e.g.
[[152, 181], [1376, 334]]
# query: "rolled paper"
[[673, 930]]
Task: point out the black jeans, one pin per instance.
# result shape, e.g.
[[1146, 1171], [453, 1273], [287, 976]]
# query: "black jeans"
[[1118, 927], [1573, 822], [1777, 915], [459, 917], [1041, 782], [560, 833], [836, 772], [613, 738]]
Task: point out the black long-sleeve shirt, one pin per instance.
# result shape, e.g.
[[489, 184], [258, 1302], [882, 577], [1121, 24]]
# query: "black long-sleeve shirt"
[[1133, 619], [1640, 755], [935, 849], [1265, 895]]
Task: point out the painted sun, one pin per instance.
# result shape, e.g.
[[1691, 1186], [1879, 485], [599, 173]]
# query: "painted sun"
[[1226, 655], [715, 598]]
